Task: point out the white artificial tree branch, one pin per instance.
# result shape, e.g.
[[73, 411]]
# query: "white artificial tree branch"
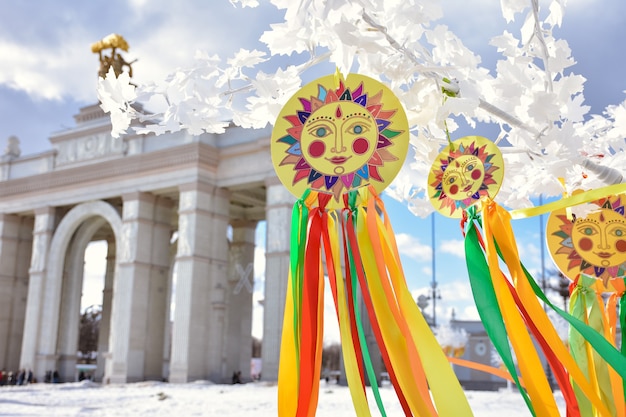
[[545, 132]]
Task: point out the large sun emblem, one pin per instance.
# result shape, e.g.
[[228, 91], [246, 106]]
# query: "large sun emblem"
[[465, 171], [594, 245], [336, 135]]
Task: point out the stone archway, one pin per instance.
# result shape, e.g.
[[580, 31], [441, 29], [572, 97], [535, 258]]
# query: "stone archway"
[[73, 283], [72, 234]]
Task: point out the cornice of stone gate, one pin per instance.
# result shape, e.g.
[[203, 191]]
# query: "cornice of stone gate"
[[199, 155]]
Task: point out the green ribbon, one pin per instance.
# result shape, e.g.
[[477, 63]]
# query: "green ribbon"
[[604, 348], [584, 303], [299, 221], [487, 302]]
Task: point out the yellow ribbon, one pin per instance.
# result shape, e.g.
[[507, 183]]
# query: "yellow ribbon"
[[617, 287], [585, 304], [528, 360], [396, 344], [574, 200], [288, 378], [409, 341], [503, 233], [445, 388], [359, 400]]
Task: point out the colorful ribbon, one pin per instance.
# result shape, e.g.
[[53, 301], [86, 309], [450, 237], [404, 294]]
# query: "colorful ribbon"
[[585, 304], [423, 378], [501, 317]]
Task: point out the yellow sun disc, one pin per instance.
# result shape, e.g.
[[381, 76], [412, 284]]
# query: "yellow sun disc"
[[464, 172], [594, 244], [336, 135]]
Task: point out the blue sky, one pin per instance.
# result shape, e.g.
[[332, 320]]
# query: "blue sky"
[[47, 72]]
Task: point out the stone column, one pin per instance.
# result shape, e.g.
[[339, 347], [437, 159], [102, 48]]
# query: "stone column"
[[167, 336], [107, 303], [200, 277], [137, 300], [279, 206], [45, 222], [240, 290], [69, 310], [15, 246], [20, 293], [158, 301]]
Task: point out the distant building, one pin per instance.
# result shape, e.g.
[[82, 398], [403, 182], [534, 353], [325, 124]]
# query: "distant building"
[[164, 205], [478, 349]]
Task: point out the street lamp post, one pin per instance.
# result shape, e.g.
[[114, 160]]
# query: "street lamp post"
[[433, 285], [544, 284]]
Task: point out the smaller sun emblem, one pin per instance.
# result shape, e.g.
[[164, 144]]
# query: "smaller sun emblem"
[[594, 245], [464, 172]]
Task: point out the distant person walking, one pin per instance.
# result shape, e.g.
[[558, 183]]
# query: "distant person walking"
[[20, 377]]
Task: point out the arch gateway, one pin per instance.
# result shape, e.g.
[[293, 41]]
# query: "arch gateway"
[[164, 205]]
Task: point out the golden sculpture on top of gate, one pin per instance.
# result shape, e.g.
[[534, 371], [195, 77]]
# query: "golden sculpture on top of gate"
[[115, 59]]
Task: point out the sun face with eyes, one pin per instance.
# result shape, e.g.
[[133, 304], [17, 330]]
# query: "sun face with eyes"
[[334, 136], [600, 238], [594, 245], [463, 177], [465, 171], [339, 138]]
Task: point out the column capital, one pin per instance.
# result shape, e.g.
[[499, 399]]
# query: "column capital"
[[49, 210], [279, 197], [204, 187], [8, 217], [138, 196], [44, 220], [9, 225], [243, 223]]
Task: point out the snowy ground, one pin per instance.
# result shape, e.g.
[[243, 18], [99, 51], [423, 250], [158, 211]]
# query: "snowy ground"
[[158, 399]]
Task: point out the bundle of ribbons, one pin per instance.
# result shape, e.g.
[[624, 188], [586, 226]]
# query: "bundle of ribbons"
[[357, 246], [591, 371]]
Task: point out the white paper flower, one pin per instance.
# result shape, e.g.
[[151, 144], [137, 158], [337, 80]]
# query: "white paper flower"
[[116, 95], [534, 95]]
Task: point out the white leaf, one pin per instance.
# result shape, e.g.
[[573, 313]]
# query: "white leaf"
[[246, 58]]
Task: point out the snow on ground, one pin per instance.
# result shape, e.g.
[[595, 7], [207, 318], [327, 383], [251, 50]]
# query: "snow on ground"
[[158, 399]]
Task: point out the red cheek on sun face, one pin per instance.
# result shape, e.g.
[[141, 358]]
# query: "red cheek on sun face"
[[620, 245], [454, 189], [360, 146], [317, 148], [585, 243], [476, 174]]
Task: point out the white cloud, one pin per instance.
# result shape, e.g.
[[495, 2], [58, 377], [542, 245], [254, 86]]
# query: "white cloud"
[[456, 291], [54, 73], [468, 313], [454, 247], [95, 257], [455, 295], [259, 281], [56, 63], [93, 275], [257, 314], [530, 253], [259, 264], [412, 247], [331, 324]]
